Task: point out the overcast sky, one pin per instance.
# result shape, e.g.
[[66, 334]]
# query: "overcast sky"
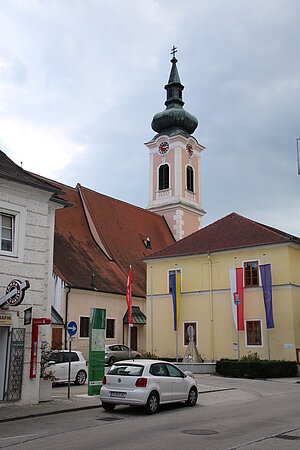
[[80, 81]]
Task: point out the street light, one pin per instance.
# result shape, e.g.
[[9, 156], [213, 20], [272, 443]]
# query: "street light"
[[298, 154]]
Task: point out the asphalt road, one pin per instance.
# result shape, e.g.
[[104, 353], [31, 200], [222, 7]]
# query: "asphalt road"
[[251, 415]]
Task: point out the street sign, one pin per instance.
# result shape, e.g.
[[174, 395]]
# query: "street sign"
[[72, 328]]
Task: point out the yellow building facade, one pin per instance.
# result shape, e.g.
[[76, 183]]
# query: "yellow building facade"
[[206, 301]]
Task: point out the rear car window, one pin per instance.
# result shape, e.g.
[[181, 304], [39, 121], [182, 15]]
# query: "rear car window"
[[127, 370]]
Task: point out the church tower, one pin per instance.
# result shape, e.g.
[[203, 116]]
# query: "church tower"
[[174, 169]]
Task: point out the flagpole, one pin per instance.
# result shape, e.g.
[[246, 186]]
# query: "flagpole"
[[237, 322], [129, 315], [268, 336], [176, 321], [151, 310]]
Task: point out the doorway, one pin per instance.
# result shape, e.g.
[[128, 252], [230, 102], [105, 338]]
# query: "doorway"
[[134, 338], [4, 333]]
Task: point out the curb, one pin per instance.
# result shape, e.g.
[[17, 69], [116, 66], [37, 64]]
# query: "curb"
[[49, 413]]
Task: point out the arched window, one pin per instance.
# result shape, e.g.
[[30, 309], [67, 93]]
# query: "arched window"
[[190, 179], [163, 177]]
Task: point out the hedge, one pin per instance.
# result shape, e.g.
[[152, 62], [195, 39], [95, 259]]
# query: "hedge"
[[256, 369]]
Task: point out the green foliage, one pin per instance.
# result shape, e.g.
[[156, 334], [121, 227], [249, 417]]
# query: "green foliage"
[[250, 357], [256, 368]]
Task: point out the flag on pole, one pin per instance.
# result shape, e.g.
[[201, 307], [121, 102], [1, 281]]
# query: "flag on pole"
[[129, 298], [237, 297], [266, 279], [175, 283]]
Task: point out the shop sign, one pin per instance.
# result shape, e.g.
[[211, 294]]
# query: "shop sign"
[[5, 318]]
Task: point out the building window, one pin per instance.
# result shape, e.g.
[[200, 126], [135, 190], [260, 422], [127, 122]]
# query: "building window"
[[6, 233], [253, 332], [84, 331], [163, 177], [110, 328], [251, 275], [190, 179], [170, 272], [185, 333]]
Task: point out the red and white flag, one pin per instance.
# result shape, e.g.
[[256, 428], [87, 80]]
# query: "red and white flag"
[[129, 298], [237, 297]]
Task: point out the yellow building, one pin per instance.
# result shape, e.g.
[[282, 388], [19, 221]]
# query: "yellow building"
[[203, 259]]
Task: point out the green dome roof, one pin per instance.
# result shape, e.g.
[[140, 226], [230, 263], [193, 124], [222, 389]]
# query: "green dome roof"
[[174, 119]]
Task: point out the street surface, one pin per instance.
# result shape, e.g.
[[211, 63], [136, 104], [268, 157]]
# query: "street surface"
[[240, 414]]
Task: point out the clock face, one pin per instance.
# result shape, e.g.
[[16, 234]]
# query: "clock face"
[[189, 149], [163, 148]]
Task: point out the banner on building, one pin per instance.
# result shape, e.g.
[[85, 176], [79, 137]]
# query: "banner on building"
[[96, 350], [237, 297], [266, 279], [175, 284], [129, 297]]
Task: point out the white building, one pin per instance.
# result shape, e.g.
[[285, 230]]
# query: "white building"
[[27, 212]]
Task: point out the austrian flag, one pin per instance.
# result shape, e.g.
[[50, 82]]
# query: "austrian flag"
[[129, 298], [237, 297]]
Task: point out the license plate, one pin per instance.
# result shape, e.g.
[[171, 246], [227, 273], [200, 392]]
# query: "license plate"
[[117, 394]]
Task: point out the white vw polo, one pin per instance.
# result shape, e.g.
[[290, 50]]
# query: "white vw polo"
[[147, 383]]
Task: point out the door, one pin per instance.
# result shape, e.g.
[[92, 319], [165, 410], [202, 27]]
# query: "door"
[[3, 358], [179, 384], [161, 375], [134, 338], [57, 341]]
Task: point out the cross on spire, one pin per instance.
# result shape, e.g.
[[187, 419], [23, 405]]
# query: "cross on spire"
[[173, 51]]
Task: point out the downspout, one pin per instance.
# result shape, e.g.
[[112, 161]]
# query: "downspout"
[[66, 314], [211, 303]]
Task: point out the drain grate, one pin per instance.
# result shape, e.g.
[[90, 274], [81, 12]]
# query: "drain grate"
[[288, 437], [109, 418], [199, 432]]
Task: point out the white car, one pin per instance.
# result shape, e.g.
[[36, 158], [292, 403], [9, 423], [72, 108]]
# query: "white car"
[[59, 366], [147, 383]]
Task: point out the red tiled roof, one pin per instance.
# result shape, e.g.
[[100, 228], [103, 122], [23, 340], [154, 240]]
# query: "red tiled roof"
[[102, 235], [230, 232]]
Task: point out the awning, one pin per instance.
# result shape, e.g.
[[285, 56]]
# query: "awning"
[[138, 317], [56, 318]]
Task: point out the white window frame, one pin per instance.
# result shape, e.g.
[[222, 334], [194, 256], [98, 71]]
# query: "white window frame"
[[19, 214], [178, 269], [197, 334], [113, 338], [261, 333], [83, 337], [259, 279]]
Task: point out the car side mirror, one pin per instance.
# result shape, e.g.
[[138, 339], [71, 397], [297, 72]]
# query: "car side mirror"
[[51, 363]]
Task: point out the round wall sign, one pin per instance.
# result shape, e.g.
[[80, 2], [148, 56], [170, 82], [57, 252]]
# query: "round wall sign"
[[163, 148], [189, 149], [16, 299]]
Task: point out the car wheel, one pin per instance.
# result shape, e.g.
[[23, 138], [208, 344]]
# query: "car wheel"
[[152, 404], [111, 361], [192, 398], [108, 406], [80, 377]]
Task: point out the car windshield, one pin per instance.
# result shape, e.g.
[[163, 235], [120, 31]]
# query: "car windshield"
[[126, 369]]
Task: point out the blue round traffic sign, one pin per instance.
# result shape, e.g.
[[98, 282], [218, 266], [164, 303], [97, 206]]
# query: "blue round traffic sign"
[[72, 328]]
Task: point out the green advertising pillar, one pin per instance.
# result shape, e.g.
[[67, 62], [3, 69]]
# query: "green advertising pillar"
[[96, 350]]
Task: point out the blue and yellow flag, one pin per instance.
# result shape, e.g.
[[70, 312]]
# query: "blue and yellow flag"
[[175, 283]]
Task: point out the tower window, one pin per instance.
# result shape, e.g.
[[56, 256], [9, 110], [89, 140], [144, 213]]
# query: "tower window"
[[163, 177], [190, 179]]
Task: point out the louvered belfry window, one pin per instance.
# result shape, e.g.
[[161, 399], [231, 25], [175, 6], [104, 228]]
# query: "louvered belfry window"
[[163, 177]]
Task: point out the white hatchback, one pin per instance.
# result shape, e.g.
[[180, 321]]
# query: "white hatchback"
[[147, 383], [59, 366]]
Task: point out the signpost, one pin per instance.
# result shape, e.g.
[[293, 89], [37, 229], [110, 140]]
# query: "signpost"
[[72, 330]]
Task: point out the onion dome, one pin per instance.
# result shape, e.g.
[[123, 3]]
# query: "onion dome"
[[174, 119]]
